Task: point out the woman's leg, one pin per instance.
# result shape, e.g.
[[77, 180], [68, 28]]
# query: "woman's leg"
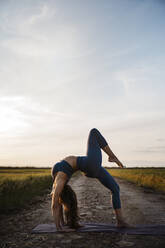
[[95, 142], [109, 182], [112, 157], [94, 156]]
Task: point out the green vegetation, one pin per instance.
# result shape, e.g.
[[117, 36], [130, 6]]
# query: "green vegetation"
[[147, 177], [19, 186]]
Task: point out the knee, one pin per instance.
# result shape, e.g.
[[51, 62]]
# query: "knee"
[[93, 131]]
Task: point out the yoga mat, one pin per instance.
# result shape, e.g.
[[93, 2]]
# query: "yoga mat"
[[101, 227]]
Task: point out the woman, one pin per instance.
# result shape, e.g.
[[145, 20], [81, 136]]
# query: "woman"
[[90, 165]]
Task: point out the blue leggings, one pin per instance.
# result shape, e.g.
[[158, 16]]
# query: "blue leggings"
[[92, 165]]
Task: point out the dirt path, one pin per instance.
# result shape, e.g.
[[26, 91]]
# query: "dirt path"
[[139, 207]]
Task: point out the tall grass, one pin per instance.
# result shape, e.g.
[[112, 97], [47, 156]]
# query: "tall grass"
[[19, 187], [152, 178]]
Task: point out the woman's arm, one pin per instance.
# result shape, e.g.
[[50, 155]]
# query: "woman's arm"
[[58, 186]]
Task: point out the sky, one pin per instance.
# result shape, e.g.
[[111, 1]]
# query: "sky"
[[69, 66]]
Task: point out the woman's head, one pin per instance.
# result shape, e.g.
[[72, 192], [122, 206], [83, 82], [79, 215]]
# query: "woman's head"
[[69, 200]]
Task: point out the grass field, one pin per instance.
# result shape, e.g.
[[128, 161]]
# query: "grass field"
[[19, 186], [153, 178]]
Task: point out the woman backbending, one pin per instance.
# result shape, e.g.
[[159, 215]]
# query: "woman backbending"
[[64, 198]]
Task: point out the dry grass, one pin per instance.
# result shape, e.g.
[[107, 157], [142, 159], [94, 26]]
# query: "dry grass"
[[147, 177], [20, 186]]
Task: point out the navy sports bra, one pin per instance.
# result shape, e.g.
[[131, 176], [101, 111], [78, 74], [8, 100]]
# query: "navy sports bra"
[[64, 167]]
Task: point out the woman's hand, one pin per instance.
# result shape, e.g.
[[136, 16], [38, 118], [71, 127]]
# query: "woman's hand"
[[56, 216]]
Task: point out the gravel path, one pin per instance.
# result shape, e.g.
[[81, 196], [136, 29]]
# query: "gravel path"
[[140, 206]]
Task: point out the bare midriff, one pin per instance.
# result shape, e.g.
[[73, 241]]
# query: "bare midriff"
[[72, 160]]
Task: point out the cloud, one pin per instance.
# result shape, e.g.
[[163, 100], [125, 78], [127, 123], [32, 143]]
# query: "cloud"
[[23, 118], [44, 12], [48, 46], [65, 70], [152, 149], [38, 32], [24, 16], [137, 122], [160, 140]]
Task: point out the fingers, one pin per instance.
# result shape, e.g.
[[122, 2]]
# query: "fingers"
[[58, 225], [57, 217]]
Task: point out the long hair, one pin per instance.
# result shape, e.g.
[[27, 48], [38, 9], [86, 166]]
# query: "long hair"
[[69, 201]]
